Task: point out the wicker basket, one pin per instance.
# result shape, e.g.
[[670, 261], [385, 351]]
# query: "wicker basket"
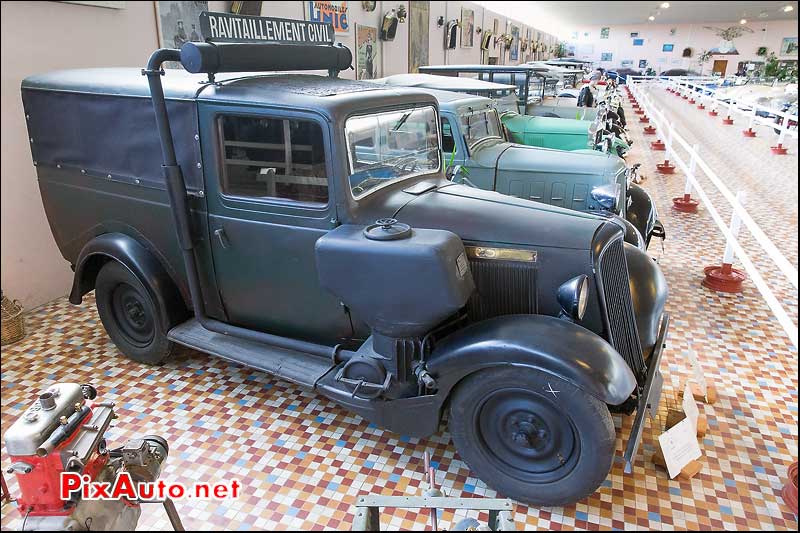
[[13, 321]]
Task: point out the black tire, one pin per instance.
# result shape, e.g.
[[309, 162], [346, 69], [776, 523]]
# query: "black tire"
[[130, 316], [531, 436]]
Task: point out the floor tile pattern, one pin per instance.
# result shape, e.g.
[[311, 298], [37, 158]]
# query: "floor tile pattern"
[[303, 460]]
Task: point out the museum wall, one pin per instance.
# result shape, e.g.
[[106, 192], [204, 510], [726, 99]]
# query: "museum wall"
[[695, 36], [39, 37], [42, 36]]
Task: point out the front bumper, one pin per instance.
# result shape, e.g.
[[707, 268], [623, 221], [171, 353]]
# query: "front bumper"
[[649, 395]]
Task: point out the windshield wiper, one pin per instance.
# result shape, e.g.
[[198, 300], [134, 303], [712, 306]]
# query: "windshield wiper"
[[401, 121]]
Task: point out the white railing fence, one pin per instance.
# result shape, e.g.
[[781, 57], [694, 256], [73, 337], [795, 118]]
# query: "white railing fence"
[[699, 89], [639, 87]]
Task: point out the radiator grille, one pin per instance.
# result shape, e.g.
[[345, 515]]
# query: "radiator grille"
[[503, 288], [619, 306]]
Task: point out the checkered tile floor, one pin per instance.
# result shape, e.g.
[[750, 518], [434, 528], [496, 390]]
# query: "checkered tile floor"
[[303, 461]]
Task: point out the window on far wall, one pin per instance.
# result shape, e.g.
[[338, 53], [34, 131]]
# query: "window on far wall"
[[638, 42], [667, 48]]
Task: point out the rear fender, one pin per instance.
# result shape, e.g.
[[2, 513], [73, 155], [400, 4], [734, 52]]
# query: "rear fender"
[[140, 262], [548, 344]]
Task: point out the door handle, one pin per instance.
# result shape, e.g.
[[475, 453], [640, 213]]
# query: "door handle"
[[223, 239]]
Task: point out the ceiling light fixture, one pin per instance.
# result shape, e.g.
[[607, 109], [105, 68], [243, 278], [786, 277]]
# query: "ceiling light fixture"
[[743, 21], [651, 18], [786, 9], [763, 15], [665, 5]]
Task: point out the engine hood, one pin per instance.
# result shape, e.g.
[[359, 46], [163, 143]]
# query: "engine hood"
[[489, 217], [521, 158], [545, 125]]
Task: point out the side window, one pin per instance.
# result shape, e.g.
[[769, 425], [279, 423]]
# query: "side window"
[[448, 141], [273, 158]]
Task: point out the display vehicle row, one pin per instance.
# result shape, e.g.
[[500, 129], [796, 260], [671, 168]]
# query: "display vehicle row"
[[304, 225]]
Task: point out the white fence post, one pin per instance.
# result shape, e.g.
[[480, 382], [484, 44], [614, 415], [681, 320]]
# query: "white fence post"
[[685, 203], [725, 278], [736, 225]]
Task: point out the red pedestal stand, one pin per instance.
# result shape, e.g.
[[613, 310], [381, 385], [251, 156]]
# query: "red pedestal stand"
[[728, 121], [713, 113], [724, 278], [649, 130], [749, 132], [692, 101], [658, 145], [665, 167], [638, 111], [685, 204], [643, 119], [779, 150], [789, 491], [701, 106]]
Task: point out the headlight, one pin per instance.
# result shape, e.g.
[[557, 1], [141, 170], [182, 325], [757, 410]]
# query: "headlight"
[[606, 195], [573, 297]]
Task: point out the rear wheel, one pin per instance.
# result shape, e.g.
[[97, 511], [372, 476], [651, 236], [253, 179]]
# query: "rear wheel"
[[531, 436], [129, 315]]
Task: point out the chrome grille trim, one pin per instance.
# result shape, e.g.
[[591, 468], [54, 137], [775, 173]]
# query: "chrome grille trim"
[[621, 324]]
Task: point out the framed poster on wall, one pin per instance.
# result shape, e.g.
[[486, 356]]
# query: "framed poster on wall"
[[467, 27], [419, 12], [668, 48], [513, 54], [789, 46], [606, 56], [331, 11], [638, 42], [642, 63], [178, 23], [367, 52]]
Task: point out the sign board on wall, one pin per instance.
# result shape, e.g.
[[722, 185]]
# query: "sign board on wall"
[[331, 12]]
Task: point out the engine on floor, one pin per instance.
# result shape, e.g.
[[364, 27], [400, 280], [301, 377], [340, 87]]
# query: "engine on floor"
[[62, 436]]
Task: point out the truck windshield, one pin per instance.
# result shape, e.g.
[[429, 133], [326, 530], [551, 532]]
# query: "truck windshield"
[[479, 125], [388, 147]]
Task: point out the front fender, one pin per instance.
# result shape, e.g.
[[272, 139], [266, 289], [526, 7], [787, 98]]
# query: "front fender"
[[541, 342], [140, 262], [649, 293], [641, 211]]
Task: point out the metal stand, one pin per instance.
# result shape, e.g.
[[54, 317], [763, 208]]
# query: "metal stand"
[[368, 508], [172, 513]]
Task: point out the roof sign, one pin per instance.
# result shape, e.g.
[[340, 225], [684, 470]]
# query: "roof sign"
[[228, 28]]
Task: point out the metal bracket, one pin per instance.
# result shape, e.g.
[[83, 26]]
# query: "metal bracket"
[[649, 397]]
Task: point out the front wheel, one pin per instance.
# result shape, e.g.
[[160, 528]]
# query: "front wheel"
[[532, 436]]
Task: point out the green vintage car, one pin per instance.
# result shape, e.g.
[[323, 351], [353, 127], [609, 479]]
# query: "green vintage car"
[[475, 143], [542, 131], [560, 133]]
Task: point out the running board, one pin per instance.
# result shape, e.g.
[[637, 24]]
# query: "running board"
[[290, 365]]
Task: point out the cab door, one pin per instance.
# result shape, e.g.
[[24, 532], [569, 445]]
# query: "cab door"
[[270, 196], [454, 148]]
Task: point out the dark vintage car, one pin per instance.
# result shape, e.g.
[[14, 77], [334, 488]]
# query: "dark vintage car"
[[584, 180], [302, 225]]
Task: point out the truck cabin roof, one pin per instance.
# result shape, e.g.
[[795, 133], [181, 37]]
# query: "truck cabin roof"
[[334, 96], [447, 83], [454, 101]]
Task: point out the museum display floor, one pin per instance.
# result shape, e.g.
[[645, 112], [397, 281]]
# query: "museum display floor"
[[302, 461]]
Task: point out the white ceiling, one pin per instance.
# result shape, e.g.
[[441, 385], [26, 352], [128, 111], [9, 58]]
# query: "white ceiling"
[[600, 12], [563, 16]]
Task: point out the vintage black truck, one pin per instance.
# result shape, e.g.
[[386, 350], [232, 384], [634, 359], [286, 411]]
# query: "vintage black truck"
[[302, 225]]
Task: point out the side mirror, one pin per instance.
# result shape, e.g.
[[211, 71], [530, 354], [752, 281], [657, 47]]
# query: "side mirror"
[[453, 172]]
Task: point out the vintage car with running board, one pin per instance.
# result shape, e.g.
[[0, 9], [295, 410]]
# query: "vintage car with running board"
[[303, 225], [585, 180], [542, 131]]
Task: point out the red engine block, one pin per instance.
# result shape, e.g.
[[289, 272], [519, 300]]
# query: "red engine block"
[[39, 489]]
